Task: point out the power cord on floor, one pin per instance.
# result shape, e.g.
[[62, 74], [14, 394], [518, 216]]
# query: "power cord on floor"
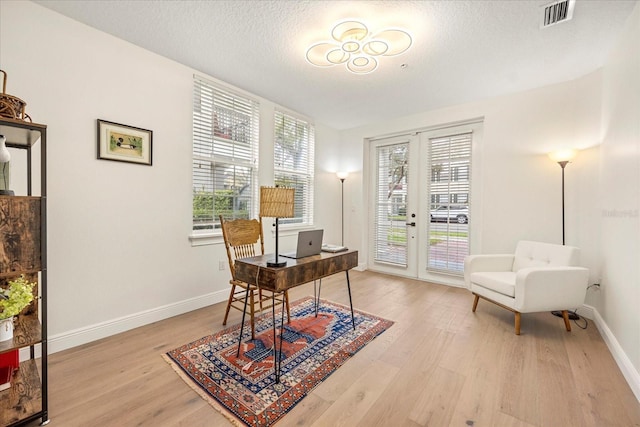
[[573, 315], [586, 322]]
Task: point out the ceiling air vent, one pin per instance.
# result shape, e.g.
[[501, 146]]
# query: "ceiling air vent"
[[557, 12]]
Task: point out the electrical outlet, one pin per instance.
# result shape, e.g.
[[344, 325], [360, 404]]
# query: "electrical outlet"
[[221, 265]]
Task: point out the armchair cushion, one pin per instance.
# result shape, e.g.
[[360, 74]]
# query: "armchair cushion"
[[503, 282], [537, 254]]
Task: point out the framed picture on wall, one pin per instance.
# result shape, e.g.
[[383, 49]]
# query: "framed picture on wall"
[[124, 143]]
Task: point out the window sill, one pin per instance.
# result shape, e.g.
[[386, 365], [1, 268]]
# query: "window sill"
[[204, 239], [289, 230], [215, 238]]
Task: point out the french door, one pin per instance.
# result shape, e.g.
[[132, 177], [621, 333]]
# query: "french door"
[[393, 214], [420, 186]]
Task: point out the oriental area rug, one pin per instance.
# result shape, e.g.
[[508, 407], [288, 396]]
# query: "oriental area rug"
[[244, 388]]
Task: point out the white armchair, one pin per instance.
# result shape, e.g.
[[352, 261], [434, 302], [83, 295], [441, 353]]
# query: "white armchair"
[[538, 277]]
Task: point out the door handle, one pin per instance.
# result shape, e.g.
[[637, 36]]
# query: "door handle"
[[413, 224]]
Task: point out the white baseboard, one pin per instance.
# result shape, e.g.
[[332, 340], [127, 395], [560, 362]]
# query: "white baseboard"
[[629, 371], [586, 311], [97, 331]]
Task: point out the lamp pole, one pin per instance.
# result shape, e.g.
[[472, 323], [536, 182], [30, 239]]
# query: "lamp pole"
[[562, 165], [562, 158], [342, 209], [342, 176]]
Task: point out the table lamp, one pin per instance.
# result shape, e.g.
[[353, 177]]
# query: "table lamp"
[[276, 202]]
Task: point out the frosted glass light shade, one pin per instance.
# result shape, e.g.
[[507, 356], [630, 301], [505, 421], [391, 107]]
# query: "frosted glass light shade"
[[354, 45]]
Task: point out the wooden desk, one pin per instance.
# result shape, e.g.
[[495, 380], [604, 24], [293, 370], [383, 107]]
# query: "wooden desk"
[[254, 270]]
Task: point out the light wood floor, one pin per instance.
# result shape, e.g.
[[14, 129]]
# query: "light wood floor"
[[439, 365]]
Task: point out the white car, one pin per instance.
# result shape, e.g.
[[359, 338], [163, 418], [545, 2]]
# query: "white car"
[[459, 214]]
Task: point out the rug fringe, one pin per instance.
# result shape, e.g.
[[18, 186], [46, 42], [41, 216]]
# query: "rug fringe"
[[211, 401]]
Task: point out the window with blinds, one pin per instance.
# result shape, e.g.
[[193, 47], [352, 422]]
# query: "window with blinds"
[[449, 189], [390, 231], [293, 164], [225, 155]]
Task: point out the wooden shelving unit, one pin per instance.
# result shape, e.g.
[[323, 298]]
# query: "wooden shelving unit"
[[23, 236]]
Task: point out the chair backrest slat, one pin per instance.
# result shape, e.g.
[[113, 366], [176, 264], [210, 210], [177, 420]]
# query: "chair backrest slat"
[[241, 236]]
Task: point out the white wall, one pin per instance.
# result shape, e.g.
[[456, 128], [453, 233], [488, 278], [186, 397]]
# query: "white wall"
[[119, 248], [518, 189], [620, 196]]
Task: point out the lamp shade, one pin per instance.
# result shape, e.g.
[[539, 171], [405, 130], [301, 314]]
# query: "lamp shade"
[[565, 155], [276, 202], [342, 175]]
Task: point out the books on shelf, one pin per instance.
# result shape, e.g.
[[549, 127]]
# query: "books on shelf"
[[333, 248]]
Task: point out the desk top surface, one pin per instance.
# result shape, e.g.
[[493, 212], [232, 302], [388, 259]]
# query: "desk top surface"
[[261, 260], [254, 270]]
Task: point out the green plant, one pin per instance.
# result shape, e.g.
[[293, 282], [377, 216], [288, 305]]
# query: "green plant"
[[16, 297]]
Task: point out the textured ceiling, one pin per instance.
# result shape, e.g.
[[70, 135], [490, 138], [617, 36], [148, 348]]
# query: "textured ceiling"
[[463, 50]]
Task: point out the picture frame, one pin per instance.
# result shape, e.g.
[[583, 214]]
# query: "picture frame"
[[124, 143]]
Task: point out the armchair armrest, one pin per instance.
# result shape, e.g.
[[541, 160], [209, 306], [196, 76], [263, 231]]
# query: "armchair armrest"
[[489, 262], [550, 288]]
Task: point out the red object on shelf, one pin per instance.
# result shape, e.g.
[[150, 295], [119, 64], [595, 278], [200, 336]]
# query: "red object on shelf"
[[6, 373], [11, 359]]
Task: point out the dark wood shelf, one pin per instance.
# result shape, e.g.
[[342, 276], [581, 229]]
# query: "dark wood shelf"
[[23, 236], [23, 400], [27, 332]]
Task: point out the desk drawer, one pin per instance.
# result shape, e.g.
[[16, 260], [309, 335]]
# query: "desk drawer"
[[337, 264]]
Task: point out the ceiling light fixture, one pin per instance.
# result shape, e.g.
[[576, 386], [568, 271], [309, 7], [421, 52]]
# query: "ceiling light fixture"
[[358, 48]]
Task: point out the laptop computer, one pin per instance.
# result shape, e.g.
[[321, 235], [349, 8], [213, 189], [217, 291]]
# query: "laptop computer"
[[309, 243]]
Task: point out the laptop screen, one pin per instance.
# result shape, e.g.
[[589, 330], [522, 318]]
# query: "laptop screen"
[[309, 243]]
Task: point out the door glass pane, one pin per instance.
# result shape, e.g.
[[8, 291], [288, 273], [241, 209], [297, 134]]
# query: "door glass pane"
[[390, 230], [448, 192]]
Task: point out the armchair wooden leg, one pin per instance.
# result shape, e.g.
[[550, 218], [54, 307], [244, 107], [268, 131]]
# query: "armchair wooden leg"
[[517, 323], [565, 316], [475, 302], [226, 313]]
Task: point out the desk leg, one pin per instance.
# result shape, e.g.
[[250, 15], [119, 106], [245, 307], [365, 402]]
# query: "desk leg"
[[277, 353], [281, 337], [353, 319], [316, 295], [275, 343], [244, 313]]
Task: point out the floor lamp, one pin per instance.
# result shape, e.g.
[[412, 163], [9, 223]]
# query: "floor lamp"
[[563, 157], [276, 202], [342, 176]]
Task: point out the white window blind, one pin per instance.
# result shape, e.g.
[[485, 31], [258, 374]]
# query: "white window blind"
[[225, 155], [449, 189], [390, 231], [294, 163]]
